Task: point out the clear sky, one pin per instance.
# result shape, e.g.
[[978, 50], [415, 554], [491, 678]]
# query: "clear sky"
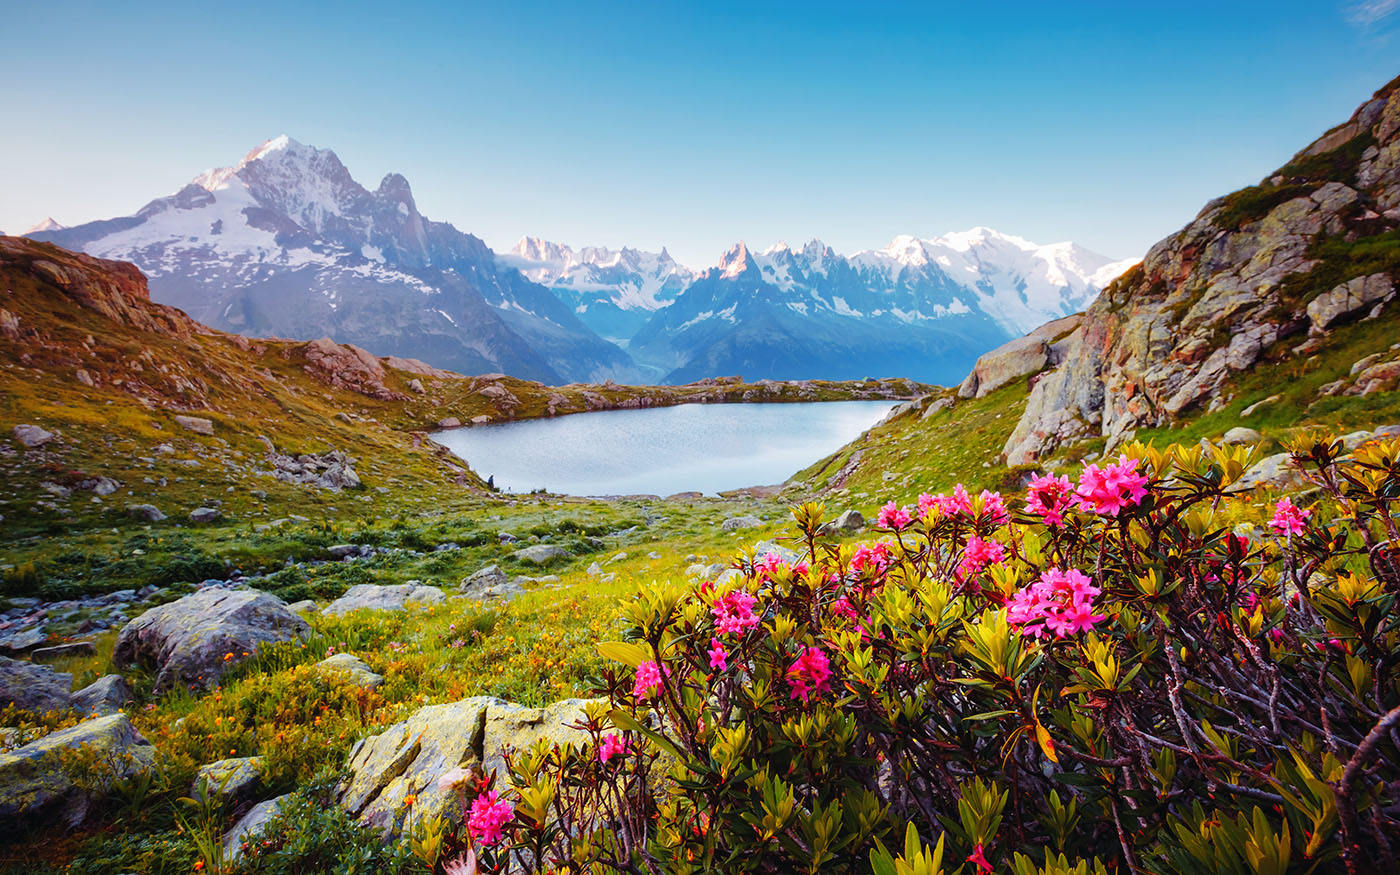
[[693, 125]]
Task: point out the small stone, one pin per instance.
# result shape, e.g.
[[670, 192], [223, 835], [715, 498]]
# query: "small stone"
[[58, 651], [734, 524], [204, 515], [541, 554], [145, 512], [196, 424]]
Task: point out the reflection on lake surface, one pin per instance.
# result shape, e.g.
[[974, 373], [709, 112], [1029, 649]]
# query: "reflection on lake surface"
[[663, 450]]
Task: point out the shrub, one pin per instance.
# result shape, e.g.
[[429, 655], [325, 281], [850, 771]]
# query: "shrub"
[[1126, 673]]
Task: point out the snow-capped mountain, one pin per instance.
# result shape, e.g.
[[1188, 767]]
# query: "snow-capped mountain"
[[613, 292], [287, 242], [48, 224], [919, 308]]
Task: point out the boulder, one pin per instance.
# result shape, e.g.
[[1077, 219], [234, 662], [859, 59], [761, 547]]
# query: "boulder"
[[194, 640], [32, 436], [351, 668], [734, 524], [23, 639], [196, 424], [106, 695], [848, 521], [204, 514], [1274, 471], [232, 780], [250, 826], [42, 778], [147, 513], [59, 651], [305, 606], [372, 597], [408, 758], [488, 584], [491, 575], [31, 687], [541, 554], [1347, 298], [1241, 435]]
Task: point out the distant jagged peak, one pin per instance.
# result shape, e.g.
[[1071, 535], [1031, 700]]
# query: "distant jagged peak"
[[49, 224], [735, 261]]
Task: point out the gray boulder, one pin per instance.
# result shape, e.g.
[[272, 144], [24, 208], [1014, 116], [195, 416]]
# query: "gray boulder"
[[36, 688], [106, 695], [305, 606], [488, 584], [250, 826], [371, 597], [848, 521], [1241, 435], [204, 514], [233, 780], [734, 524], [542, 554], [763, 548], [491, 575], [148, 513], [23, 639], [41, 779], [1347, 298], [351, 668], [1274, 471], [409, 757], [32, 436], [195, 640], [196, 424]]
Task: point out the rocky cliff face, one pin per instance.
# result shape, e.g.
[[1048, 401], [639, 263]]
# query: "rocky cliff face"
[[1313, 246]]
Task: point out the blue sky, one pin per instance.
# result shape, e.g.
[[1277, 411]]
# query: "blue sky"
[[693, 125]]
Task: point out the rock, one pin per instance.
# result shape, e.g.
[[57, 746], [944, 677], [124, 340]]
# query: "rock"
[[148, 513], [35, 688], [1241, 435], [104, 486], [734, 524], [449, 422], [506, 538], [205, 514], [305, 606], [594, 570], [848, 521], [763, 548], [24, 639], [416, 385], [408, 757], [1274, 471], [250, 826], [32, 436], [487, 577], [352, 668], [341, 551], [194, 640], [489, 584], [1363, 363], [58, 651], [542, 554], [1349, 297], [42, 778], [616, 557], [231, 780], [196, 424], [1257, 404], [1382, 377], [106, 695], [1355, 439], [372, 597]]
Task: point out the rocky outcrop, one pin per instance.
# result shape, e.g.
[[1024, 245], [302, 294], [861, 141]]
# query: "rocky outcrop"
[[1019, 358], [371, 597], [334, 470], [46, 778], [195, 640], [346, 367], [1215, 297], [106, 695], [488, 584], [542, 554], [36, 688], [408, 758]]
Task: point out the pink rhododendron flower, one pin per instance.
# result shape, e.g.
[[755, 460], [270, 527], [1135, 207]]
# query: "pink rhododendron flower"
[[451, 779], [1060, 602], [648, 679], [892, 516], [1111, 488], [842, 608], [1049, 497], [875, 556], [993, 508], [613, 744], [489, 814], [733, 612], [809, 674], [769, 563], [719, 658], [977, 859], [978, 554], [1288, 519], [463, 865]]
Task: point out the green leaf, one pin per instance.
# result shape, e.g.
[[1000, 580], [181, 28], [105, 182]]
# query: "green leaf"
[[625, 652]]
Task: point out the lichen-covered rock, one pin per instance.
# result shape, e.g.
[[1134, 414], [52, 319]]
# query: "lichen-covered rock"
[[372, 597], [66, 771], [31, 687], [196, 424], [351, 668], [250, 826], [232, 780], [106, 695], [1276, 471], [32, 436], [734, 524], [147, 513], [1241, 435], [1018, 358], [408, 758], [489, 584], [1358, 293], [848, 521], [205, 515], [194, 640], [541, 554]]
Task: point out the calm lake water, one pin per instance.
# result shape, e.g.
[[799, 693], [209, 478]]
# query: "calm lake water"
[[663, 450]]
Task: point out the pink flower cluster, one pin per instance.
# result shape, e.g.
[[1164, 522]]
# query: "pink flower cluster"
[[809, 674], [1060, 602], [613, 744], [719, 657], [892, 516], [1049, 497], [1289, 519], [978, 554], [648, 679], [772, 563], [489, 815], [960, 504], [733, 612], [876, 556], [1111, 488]]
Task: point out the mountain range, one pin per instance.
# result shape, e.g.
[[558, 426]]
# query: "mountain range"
[[286, 242]]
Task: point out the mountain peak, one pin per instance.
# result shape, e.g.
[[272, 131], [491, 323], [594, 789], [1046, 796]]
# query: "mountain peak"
[[735, 261], [279, 143], [47, 225]]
